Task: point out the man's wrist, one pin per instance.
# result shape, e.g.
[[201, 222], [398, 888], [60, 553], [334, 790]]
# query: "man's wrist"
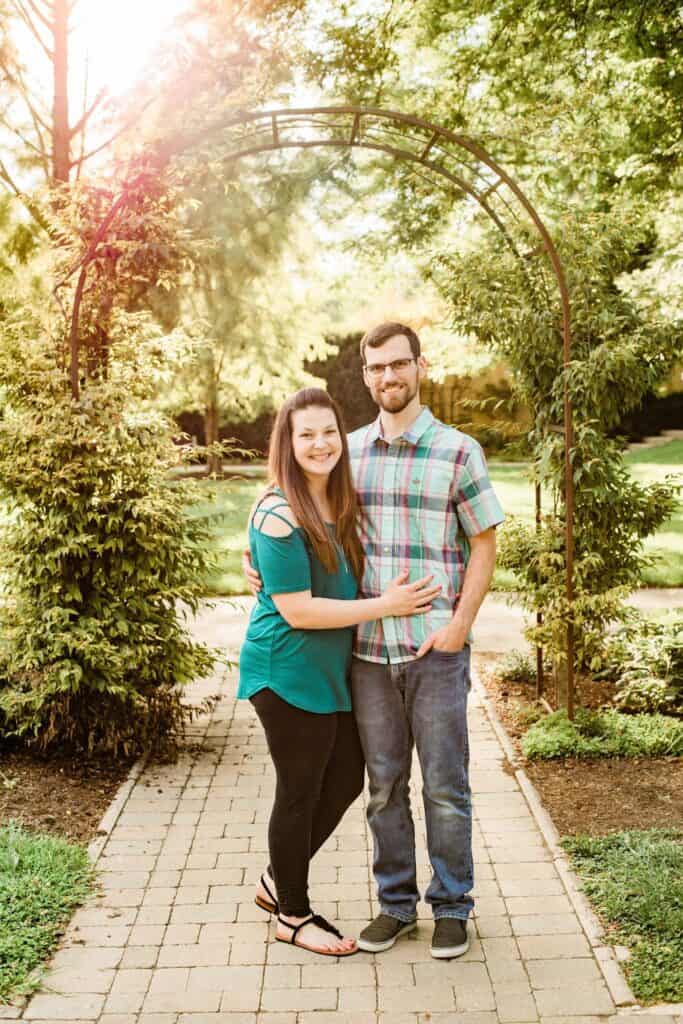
[[457, 633]]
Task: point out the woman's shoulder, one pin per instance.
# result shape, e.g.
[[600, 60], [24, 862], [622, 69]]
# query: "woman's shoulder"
[[272, 516]]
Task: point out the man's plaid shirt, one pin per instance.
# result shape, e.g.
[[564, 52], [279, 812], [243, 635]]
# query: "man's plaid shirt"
[[421, 497]]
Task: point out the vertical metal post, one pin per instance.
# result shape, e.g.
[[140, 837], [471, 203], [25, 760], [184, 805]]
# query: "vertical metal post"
[[539, 613], [568, 497]]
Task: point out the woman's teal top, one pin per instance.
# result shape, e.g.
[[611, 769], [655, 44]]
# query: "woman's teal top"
[[308, 668]]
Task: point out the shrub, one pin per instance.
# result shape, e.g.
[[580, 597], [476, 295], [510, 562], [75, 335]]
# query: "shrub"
[[603, 734], [620, 353], [517, 667], [645, 659], [527, 714], [99, 555]]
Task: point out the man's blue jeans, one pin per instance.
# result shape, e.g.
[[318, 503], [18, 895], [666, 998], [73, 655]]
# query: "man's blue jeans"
[[422, 702]]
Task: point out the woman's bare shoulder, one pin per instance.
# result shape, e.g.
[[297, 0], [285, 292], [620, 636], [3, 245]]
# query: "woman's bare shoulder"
[[272, 515]]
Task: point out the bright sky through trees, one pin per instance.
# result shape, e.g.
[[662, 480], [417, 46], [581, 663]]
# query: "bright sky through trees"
[[116, 40]]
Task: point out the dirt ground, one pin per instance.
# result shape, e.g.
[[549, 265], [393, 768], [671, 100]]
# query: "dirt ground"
[[595, 796], [63, 795]]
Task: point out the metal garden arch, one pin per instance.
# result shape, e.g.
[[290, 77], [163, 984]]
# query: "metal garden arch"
[[470, 170]]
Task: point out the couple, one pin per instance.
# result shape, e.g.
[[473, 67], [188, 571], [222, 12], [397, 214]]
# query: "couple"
[[404, 515]]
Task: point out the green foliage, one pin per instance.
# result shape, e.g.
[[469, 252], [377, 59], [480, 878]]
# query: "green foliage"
[[617, 355], [635, 881], [604, 734], [645, 660], [42, 879], [516, 667], [245, 300], [98, 553], [343, 377]]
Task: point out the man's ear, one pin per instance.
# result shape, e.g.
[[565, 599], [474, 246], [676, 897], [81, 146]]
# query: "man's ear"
[[422, 366]]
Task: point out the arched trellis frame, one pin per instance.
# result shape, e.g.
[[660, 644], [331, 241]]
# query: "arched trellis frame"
[[471, 171], [467, 169]]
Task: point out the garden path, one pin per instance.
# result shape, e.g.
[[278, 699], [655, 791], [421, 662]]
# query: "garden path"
[[175, 937]]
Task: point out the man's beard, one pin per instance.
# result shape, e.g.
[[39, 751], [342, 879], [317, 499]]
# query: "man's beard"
[[396, 401]]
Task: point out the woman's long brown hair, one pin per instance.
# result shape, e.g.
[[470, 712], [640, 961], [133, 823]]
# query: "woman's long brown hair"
[[286, 472]]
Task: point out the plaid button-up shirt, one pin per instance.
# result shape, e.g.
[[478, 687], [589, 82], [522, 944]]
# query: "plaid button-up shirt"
[[421, 497]]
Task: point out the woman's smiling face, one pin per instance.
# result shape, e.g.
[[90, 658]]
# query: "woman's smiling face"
[[316, 441]]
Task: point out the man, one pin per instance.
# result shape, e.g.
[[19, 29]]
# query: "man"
[[427, 505]]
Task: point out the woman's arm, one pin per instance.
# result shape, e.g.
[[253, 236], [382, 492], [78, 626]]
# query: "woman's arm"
[[303, 611]]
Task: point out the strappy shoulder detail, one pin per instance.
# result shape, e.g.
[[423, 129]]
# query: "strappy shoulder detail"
[[262, 516]]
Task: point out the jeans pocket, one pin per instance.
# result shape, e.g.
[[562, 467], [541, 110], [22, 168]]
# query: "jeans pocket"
[[450, 654]]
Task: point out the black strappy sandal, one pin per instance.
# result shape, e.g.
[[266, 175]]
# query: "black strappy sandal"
[[270, 905], [321, 923]]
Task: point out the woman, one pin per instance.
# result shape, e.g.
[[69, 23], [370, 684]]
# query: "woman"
[[295, 661]]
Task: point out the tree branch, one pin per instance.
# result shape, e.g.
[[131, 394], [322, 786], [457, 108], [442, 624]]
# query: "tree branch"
[[122, 130], [27, 142], [82, 121], [31, 25], [16, 79], [81, 145], [23, 198], [39, 14], [78, 297]]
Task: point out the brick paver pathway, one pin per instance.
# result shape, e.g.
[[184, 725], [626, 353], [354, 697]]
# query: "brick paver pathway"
[[175, 937]]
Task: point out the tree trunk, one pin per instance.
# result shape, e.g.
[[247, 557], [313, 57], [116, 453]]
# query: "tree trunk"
[[61, 159], [211, 435]]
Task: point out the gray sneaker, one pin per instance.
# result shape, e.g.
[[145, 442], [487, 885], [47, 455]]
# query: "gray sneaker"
[[450, 938], [382, 933]]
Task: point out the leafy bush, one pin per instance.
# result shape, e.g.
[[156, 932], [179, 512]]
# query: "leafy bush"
[[42, 879], [527, 714], [517, 667], [98, 554], [620, 353], [603, 734], [635, 881], [645, 659]]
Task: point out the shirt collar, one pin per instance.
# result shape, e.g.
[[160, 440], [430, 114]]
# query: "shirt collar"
[[412, 434]]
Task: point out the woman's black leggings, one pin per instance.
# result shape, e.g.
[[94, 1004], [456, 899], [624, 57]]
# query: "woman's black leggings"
[[319, 767]]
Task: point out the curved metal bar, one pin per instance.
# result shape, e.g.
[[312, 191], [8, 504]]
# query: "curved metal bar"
[[433, 136], [392, 151]]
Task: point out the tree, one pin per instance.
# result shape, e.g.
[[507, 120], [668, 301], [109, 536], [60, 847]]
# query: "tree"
[[617, 356], [101, 549]]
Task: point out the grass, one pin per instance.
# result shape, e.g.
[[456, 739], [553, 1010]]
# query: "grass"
[[650, 465], [231, 501], [604, 734], [635, 881], [42, 879]]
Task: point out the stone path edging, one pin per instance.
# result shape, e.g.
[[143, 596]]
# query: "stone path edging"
[[111, 815], [608, 957]]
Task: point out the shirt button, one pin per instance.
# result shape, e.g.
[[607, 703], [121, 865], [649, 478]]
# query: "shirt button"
[[387, 550]]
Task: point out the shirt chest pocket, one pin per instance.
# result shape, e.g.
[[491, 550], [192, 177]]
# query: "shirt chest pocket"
[[431, 490]]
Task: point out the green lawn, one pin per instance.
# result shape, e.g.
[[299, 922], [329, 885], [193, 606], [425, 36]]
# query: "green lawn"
[[42, 879], [635, 882], [231, 501], [666, 547]]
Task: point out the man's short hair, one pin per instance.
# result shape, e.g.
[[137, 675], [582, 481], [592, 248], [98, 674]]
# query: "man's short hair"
[[378, 335]]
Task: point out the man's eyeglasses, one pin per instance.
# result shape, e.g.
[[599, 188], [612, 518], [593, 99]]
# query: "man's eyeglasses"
[[376, 370]]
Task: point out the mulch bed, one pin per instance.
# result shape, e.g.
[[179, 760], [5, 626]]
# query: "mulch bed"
[[67, 794], [599, 795], [64, 794]]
